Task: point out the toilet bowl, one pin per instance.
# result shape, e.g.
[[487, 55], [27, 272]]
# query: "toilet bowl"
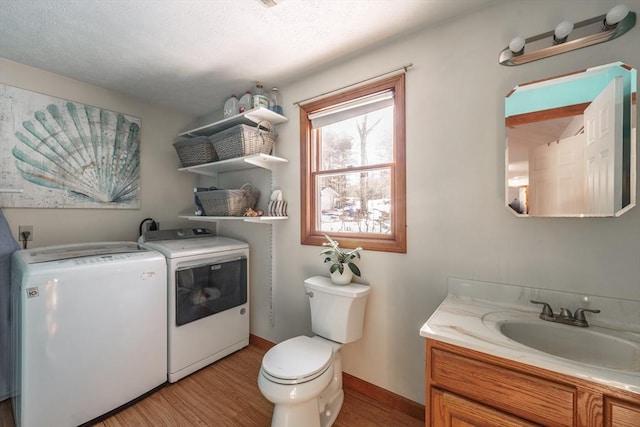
[[294, 376], [302, 376]]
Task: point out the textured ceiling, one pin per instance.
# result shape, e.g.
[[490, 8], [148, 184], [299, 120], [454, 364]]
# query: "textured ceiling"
[[190, 55]]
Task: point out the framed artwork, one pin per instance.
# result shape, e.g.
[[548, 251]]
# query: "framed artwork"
[[56, 153]]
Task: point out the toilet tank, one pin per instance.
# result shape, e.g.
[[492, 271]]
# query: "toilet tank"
[[337, 311]]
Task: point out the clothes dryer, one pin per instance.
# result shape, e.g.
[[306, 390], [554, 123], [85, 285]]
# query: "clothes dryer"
[[208, 296]]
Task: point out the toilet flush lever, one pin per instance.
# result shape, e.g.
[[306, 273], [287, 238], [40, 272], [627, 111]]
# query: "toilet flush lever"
[[309, 293]]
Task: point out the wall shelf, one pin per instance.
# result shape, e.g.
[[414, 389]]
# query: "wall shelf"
[[260, 160], [250, 117], [254, 219], [264, 161]]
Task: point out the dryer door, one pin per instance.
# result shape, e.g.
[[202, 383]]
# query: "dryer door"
[[209, 288]]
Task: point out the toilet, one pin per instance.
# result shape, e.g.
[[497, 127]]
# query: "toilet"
[[302, 376]]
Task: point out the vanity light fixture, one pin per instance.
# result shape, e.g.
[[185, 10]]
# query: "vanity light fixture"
[[567, 37]]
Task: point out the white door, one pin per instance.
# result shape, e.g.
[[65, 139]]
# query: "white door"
[[557, 177], [570, 177], [542, 186], [603, 151]]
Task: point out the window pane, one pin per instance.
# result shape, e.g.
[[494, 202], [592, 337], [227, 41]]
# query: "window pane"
[[360, 141], [355, 202], [353, 183]]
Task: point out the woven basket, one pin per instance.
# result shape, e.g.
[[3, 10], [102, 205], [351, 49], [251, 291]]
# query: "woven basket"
[[195, 151], [228, 202], [243, 140]]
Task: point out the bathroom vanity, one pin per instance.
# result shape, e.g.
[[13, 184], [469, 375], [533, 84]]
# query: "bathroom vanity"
[[476, 375]]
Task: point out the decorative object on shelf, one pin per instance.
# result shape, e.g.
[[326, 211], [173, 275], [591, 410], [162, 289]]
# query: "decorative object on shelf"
[[243, 140], [253, 213], [596, 30], [64, 154], [340, 260], [235, 202], [195, 151], [277, 206]]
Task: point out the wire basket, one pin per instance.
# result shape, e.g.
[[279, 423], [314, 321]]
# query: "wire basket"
[[243, 140], [228, 202], [195, 151]]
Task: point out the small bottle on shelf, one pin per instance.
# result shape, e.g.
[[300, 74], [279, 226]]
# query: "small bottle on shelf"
[[231, 107], [259, 98], [245, 103], [275, 101]]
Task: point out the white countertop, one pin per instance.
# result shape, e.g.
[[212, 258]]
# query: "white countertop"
[[470, 315]]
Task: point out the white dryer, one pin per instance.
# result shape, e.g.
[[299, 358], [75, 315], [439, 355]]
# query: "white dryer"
[[208, 296], [90, 332]]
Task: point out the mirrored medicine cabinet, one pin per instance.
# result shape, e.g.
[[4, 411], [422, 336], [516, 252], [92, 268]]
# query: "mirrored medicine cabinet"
[[571, 144]]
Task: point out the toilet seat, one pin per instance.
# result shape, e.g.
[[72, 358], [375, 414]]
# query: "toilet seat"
[[297, 360]]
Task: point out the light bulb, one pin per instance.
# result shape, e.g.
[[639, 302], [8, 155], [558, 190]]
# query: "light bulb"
[[615, 15], [516, 44], [562, 31]]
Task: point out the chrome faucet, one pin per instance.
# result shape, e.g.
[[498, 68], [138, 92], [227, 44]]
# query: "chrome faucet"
[[565, 316]]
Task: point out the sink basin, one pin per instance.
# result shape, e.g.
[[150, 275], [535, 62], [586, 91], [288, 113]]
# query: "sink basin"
[[592, 345]]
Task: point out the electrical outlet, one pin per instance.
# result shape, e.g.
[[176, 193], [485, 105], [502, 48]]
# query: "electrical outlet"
[[22, 229]]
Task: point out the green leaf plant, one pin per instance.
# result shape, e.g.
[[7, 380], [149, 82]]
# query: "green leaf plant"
[[338, 257]]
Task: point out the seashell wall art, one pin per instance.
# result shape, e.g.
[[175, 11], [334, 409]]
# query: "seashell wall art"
[[63, 154]]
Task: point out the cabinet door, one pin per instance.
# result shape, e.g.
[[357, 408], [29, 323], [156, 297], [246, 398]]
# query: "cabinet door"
[[618, 413], [524, 395], [450, 410]]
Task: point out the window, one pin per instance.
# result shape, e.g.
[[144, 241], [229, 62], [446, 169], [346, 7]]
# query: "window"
[[353, 167]]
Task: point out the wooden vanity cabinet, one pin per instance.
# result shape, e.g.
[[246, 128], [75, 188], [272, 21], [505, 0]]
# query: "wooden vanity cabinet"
[[467, 388]]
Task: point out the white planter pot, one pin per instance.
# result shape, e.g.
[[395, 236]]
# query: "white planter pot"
[[344, 278]]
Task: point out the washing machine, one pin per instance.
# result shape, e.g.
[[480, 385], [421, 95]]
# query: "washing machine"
[[89, 335], [208, 296]]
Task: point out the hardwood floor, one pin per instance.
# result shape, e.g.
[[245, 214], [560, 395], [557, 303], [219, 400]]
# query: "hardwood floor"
[[225, 394]]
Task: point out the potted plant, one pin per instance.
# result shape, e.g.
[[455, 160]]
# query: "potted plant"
[[338, 258]]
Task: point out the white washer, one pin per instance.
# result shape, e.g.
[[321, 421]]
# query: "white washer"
[[89, 334], [208, 296]]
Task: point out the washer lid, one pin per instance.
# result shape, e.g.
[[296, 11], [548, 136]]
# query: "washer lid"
[[79, 250], [297, 358]]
